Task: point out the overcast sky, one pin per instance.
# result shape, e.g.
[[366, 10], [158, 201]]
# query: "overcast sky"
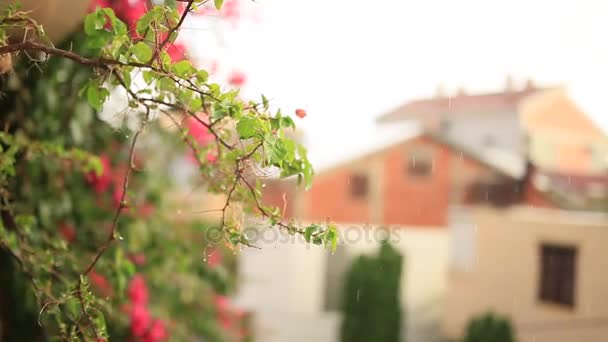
[[347, 62]]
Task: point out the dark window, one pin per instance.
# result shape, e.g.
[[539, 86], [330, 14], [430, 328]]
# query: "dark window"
[[557, 278], [359, 186], [419, 165]]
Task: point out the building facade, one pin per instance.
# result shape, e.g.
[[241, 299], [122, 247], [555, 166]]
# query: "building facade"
[[545, 269]]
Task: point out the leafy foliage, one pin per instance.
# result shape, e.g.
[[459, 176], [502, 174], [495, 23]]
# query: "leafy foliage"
[[82, 200], [371, 302], [489, 327]]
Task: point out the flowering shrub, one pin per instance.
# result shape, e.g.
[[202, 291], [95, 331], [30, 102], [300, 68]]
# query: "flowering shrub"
[[91, 248]]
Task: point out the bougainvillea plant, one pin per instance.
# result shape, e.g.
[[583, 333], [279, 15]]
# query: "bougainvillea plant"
[[91, 251]]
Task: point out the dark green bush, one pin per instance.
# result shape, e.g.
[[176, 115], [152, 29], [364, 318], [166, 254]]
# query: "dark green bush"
[[489, 327]]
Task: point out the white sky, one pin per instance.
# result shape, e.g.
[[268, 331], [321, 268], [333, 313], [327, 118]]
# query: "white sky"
[[347, 62]]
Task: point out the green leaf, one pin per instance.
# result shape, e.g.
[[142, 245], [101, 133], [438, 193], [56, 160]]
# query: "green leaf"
[[94, 22], [96, 96], [202, 76], [331, 237], [218, 4], [309, 231], [183, 68], [142, 52], [247, 127], [118, 26], [148, 76], [145, 22], [287, 122]]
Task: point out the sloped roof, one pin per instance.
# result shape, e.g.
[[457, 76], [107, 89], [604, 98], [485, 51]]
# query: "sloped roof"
[[490, 102], [556, 110], [563, 138], [506, 162], [502, 161]]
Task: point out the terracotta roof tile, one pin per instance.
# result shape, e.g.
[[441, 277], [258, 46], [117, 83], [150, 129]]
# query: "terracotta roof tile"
[[460, 103]]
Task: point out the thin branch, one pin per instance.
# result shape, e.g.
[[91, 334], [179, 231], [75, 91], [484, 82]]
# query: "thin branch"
[[265, 213], [171, 32]]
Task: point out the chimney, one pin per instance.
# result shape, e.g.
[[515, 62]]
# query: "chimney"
[[509, 84], [439, 91], [529, 85]]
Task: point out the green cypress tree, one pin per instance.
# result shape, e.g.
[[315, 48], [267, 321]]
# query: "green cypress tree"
[[371, 305]]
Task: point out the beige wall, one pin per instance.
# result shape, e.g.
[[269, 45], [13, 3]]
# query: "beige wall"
[[504, 275]]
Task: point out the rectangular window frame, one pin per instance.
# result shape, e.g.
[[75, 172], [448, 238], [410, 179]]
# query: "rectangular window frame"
[[557, 274]]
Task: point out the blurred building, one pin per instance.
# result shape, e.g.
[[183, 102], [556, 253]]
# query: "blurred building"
[[568, 151], [545, 269], [473, 151]]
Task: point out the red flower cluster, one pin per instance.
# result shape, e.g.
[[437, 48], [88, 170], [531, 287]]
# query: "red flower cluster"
[[199, 132], [101, 283], [237, 78], [130, 11], [143, 327], [101, 182], [301, 113], [214, 258], [68, 232], [230, 318]]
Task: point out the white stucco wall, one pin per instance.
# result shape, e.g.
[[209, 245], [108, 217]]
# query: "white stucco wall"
[[284, 284]]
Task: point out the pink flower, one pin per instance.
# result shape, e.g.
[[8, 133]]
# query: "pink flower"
[[147, 210], [226, 322], [101, 182], [138, 291], [157, 332], [177, 51], [213, 67], [101, 283], [198, 131], [99, 3], [117, 194], [140, 320], [237, 78], [211, 157], [138, 259], [130, 11], [67, 231], [214, 258], [221, 303], [231, 11]]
